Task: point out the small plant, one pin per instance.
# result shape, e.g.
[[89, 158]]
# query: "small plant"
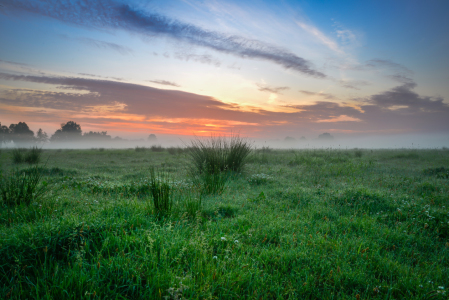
[[33, 156], [22, 187], [440, 172], [17, 155], [192, 205], [162, 193], [212, 183]]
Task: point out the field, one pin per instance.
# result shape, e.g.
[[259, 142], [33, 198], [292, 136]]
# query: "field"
[[294, 224]]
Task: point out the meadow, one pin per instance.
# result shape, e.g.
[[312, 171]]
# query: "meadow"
[[290, 224]]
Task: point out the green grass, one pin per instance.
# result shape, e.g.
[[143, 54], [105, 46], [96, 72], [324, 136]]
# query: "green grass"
[[309, 224]]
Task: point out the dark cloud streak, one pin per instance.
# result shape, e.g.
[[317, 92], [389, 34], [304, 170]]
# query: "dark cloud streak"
[[104, 14]]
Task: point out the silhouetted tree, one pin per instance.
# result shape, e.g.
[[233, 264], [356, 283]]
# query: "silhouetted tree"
[[325, 136], [289, 139], [303, 138], [91, 135], [4, 134], [41, 136], [21, 133], [68, 131], [152, 138]]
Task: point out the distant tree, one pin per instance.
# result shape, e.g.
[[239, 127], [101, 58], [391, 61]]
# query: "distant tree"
[[152, 138], [68, 131], [289, 139], [4, 134], [303, 138], [325, 136], [41, 136], [21, 133], [91, 135]]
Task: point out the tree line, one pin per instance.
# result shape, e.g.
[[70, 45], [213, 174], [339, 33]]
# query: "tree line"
[[70, 131]]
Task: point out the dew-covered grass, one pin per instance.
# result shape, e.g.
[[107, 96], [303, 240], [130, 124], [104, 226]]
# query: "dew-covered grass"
[[294, 224]]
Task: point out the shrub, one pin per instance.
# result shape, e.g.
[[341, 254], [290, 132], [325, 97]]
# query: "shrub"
[[22, 187], [17, 155], [175, 150], [33, 156], [140, 149], [162, 193], [440, 172], [358, 153], [158, 148]]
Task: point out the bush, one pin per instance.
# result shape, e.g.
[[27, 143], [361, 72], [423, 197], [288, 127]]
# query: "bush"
[[162, 193], [17, 155], [358, 153], [33, 156], [157, 148], [140, 149], [22, 187], [175, 150]]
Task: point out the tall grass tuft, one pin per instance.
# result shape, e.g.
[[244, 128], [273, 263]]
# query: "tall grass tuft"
[[214, 159], [162, 193], [157, 148], [219, 154], [22, 187], [33, 156]]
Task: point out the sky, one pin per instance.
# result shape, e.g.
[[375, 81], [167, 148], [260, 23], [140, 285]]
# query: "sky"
[[265, 69]]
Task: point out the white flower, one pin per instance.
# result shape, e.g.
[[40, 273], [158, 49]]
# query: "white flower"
[[223, 238], [214, 257], [236, 241], [441, 287], [420, 285]]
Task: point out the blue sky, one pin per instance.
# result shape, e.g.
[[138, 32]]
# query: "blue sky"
[[265, 68]]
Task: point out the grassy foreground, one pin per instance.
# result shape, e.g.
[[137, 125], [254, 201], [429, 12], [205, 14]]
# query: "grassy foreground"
[[309, 224]]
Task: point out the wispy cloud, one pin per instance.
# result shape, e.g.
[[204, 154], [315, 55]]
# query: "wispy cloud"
[[315, 32], [99, 44], [324, 95], [202, 58], [114, 15], [164, 82], [272, 89], [98, 76]]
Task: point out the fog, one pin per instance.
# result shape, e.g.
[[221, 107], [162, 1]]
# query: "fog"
[[422, 141]]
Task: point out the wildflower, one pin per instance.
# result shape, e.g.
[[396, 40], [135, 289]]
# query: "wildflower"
[[214, 257], [420, 285], [223, 238], [441, 287], [236, 241]]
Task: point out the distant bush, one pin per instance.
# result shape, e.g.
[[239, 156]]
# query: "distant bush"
[[140, 149], [157, 148], [22, 187], [33, 156], [410, 155], [440, 172], [18, 155], [175, 150], [358, 153]]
